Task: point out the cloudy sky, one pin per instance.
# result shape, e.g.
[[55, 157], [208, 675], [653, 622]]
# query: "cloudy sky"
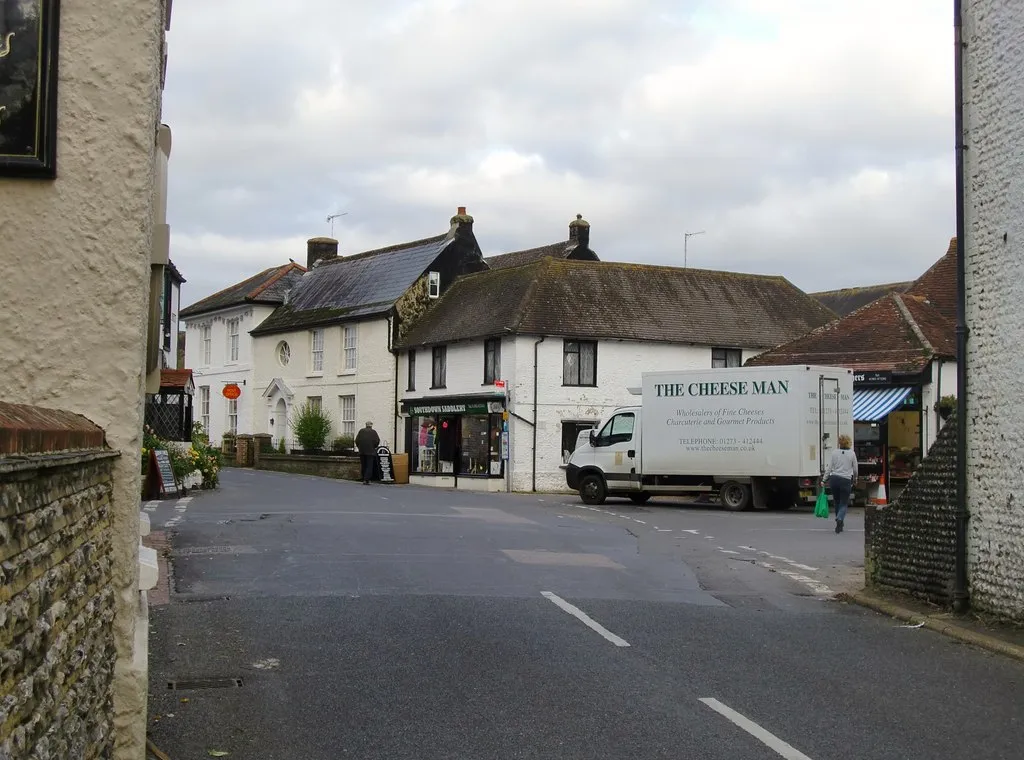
[[808, 138]]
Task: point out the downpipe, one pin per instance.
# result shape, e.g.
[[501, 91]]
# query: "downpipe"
[[961, 593], [533, 468]]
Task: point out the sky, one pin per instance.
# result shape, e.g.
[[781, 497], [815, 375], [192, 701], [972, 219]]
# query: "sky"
[[811, 139]]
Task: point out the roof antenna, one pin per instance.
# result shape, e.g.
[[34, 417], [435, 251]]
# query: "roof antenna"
[[331, 219], [686, 240]]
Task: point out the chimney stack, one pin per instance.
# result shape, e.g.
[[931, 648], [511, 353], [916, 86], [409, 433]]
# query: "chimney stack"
[[320, 249], [579, 232], [461, 221]]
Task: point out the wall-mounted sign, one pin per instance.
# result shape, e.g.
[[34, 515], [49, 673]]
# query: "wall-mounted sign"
[[872, 378], [28, 88], [445, 406], [232, 391]]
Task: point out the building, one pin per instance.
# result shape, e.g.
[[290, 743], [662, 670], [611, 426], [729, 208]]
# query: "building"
[[331, 342], [847, 300], [500, 376], [85, 250], [903, 349], [219, 348], [993, 204], [170, 306], [576, 248]]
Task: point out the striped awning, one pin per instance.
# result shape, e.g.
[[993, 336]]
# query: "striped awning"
[[873, 404]]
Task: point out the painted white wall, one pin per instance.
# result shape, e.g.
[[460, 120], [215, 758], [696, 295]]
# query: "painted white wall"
[[372, 382], [170, 356], [994, 250], [619, 366], [943, 383], [221, 370]]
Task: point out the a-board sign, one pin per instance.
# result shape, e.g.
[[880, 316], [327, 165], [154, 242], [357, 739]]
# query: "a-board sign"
[[162, 461], [387, 472]]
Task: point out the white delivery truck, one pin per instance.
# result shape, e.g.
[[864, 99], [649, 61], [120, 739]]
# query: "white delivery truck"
[[756, 436]]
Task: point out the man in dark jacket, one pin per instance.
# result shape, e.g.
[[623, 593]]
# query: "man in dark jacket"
[[367, 442]]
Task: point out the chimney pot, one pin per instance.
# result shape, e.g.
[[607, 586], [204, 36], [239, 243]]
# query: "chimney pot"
[[579, 232], [320, 249], [462, 210]]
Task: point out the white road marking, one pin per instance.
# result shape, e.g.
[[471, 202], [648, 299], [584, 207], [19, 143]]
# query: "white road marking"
[[748, 548], [726, 551], [765, 737], [694, 532], [585, 619], [664, 530], [185, 500], [639, 521]]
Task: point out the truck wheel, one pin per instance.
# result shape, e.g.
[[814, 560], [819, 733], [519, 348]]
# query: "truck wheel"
[[592, 489], [735, 496], [639, 498]]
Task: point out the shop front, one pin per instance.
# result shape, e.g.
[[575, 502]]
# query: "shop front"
[[457, 441], [888, 434]]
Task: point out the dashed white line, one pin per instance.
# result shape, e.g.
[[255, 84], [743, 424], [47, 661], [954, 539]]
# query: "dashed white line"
[[693, 532], [765, 737], [585, 619]]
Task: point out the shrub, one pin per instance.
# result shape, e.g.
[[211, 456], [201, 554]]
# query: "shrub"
[[344, 443], [281, 448], [312, 426]]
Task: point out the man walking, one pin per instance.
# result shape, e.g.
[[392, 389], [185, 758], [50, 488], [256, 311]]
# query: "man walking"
[[367, 442]]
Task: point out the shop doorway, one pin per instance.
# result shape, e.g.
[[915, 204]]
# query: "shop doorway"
[[448, 436]]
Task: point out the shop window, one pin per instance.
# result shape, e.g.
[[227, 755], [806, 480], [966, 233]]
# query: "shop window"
[[440, 366], [579, 363], [421, 435], [469, 445], [474, 449], [492, 360], [411, 381], [726, 357], [571, 430]]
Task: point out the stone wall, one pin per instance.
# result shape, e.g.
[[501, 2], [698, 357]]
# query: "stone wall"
[[57, 600], [910, 545], [341, 467], [994, 249]]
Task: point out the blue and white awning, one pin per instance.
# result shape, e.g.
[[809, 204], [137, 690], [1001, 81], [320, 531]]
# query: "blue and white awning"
[[873, 404]]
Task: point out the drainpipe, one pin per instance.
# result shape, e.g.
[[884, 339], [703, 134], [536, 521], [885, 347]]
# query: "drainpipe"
[[536, 345], [394, 408], [961, 595]]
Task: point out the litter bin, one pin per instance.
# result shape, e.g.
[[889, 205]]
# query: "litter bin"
[[400, 465]]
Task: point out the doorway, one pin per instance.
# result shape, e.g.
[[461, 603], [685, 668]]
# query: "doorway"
[[281, 423]]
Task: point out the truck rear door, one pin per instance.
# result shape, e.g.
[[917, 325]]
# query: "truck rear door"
[[828, 416]]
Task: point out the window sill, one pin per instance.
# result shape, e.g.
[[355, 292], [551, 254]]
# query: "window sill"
[[438, 387], [348, 373], [315, 375], [579, 385]]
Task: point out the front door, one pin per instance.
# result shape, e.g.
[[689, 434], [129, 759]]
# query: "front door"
[[448, 439], [615, 451]]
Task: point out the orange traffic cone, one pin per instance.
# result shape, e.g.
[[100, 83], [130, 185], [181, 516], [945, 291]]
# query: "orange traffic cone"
[[880, 495]]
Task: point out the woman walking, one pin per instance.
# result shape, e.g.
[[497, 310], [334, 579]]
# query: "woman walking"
[[841, 476]]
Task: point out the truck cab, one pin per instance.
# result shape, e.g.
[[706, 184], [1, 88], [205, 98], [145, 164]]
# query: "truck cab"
[[608, 464]]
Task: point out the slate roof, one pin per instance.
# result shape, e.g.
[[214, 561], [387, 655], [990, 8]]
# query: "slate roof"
[[847, 300], [595, 299], [268, 287], [362, 285]]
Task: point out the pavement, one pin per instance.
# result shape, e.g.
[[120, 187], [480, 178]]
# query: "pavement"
[[323, 619]]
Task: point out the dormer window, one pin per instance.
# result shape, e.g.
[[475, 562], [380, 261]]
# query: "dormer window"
[[433, 284]]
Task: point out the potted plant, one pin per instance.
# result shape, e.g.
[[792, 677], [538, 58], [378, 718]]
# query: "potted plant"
[[945, 406], [312, 426]]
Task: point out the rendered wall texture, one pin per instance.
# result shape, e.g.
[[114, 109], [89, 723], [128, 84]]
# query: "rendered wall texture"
[[994, 202], [76, 260]]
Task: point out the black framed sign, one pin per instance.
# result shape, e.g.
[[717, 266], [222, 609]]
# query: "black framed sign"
[[28, 88]]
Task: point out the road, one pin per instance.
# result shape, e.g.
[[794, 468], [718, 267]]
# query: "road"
[[396, 622]]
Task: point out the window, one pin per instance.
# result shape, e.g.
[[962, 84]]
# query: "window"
[[579, 362], [726, 357], [350, 345], [167, 308], [440, 362], [570, 434], [284, 353], [233, 415], [204, 408], [619, 429], [316, 343], [207, 336], [492, 360], [433, 284], [348, 415], [232, 340], [316, 403], [411, 384]]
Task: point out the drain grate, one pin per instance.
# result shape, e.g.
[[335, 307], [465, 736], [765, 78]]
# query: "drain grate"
[[205, 683]]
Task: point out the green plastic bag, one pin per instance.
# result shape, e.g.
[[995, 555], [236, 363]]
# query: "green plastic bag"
[[821, 506]]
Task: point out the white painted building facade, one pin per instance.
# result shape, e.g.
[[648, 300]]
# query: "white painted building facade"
[[994, 251], [564, 404]]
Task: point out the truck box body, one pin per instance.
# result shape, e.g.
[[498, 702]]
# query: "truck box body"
[[760, 435]]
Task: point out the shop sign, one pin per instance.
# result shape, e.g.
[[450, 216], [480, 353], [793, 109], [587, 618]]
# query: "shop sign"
[[28, 88], [465, 407], [872, 378], [387, 472], [231, 391]]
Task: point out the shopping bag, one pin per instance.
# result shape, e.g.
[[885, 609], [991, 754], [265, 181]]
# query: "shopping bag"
[[821, 506]]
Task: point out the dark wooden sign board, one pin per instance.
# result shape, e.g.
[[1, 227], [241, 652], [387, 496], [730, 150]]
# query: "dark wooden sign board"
[[161, 480], [29, 34], [387, 472]]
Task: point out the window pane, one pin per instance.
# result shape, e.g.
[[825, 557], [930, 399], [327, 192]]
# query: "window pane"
[[350, 346], [475, 445], [588, 364], [734, 358], [440, 356], [412, 371], [570, 366], [424, 444], [622, 424], [348, 415]]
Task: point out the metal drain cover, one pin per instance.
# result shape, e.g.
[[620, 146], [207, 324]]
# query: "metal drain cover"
[[205, 683]]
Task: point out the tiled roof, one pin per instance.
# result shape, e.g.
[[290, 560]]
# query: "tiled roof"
[[938, 284], [884, 335], [175, 274], [594, 299], [269, 286], [355, 286], [562, 250], [175, 378], [846, 300]]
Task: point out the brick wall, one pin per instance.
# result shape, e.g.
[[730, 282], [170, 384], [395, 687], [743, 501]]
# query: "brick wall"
[[994, 249], [910, 545], [56, 592], [342, 467]]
